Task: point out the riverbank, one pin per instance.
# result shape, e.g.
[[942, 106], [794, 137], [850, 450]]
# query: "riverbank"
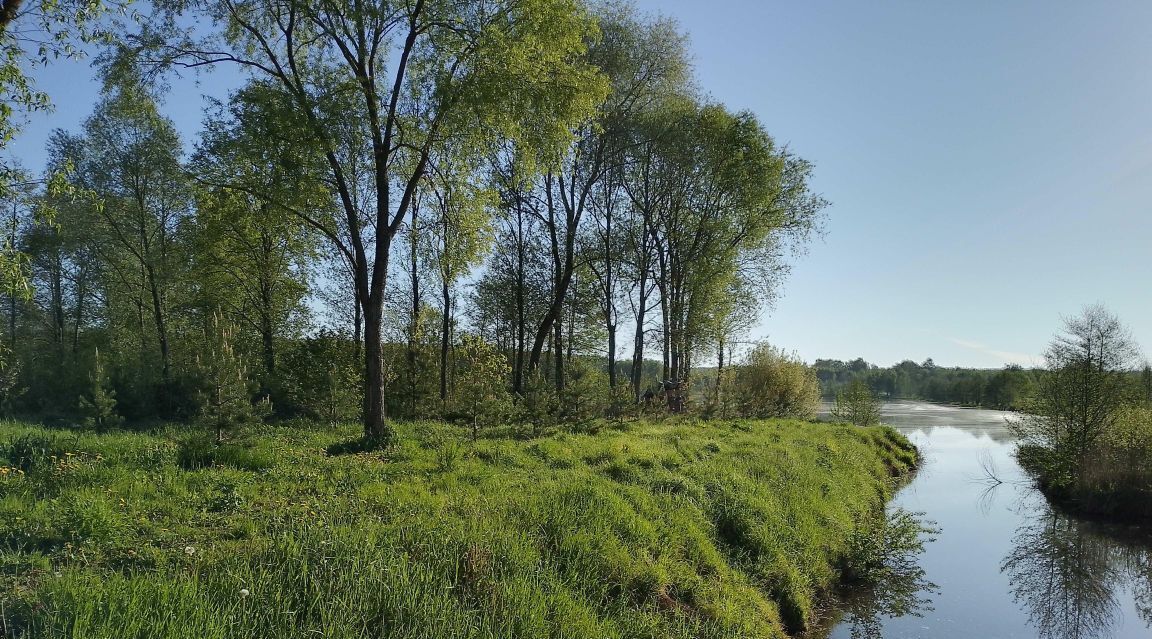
[[1105, 488], [685, 529]]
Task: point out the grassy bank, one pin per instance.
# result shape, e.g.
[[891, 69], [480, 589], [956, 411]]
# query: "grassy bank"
[[654, 530], [1113, 481]]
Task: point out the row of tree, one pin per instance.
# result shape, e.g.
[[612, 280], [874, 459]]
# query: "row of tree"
[[396, 190], [1009, 388]]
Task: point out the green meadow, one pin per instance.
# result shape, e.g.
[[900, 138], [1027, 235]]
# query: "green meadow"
[[671, 529]]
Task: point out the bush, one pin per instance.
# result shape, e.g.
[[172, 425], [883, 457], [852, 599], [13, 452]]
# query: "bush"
[[539, 404], [772, 383], [856, 405], [226, 403], [320, 379], [479, 396], [586, 393]]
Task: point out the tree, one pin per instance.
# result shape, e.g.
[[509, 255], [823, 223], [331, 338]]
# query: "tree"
[[856, 405], [130, 163], [462, 235], [480, 396], [380, 89], [33, 34], [226, 401], [99, 406], [1085, 386], [645, 62], [720, 201], [251, 255]]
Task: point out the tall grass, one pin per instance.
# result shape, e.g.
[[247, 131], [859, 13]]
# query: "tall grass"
[[685, 529]]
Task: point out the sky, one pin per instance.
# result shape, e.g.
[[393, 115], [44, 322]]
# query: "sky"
[[988, 164]]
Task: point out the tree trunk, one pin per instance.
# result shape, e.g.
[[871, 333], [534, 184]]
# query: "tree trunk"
[[558, 354], [414, 327], [357, 329], [445, 340], [374, 425], [162, 336], [719, 373], [638, 340]]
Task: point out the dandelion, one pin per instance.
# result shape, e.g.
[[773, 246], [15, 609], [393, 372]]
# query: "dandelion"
[[189, 550], [244, 593]]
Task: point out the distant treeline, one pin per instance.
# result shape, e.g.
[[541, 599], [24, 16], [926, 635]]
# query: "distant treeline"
[[1008, 388]]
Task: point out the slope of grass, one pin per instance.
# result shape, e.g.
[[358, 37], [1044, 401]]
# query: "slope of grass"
[[686, 529]]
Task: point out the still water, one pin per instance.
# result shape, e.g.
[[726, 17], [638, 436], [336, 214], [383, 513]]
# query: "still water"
[[1003, 563]]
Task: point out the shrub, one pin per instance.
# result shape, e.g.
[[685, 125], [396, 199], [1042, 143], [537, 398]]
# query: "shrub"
[[539, 404], [479, 397], [856, 405], [586, 394], [320, 378], [226, 403], [772, 383]]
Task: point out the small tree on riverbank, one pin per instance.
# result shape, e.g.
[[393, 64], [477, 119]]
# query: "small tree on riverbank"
[[857, 405], [1087, 385]]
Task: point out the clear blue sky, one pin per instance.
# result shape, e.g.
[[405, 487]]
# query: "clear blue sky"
[[989, 163]]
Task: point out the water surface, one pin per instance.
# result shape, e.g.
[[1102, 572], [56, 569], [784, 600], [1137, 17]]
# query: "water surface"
[[1004, 564]]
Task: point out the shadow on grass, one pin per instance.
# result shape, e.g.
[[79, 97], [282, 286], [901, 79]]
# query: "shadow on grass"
[[359, 445]]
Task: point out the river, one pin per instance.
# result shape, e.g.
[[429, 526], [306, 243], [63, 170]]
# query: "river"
[[1003, 563]]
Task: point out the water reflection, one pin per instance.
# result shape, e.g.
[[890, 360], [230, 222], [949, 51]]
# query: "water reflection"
[[1066, 575], [1006, 564], [902, 589]]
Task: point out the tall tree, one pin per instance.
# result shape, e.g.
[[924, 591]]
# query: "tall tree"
[[253, 255], [645, 61], [1087, 383], [383, 86], [130, 161], [462, 235], [719, 200]]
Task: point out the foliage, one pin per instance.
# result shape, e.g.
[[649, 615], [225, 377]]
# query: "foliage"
[[1086, 385], [319, 379], [586, 394], [772, 383], [226, 401], [480, 396], [539, 404], [856, 405], [9, 380], [99, 407], [1010, 388], [697, 529], [34, 33]]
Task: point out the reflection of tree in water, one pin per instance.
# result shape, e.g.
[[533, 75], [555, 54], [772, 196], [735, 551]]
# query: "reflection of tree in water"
[[898, 587], [1142, 590], [1064, 574], [906, 594]]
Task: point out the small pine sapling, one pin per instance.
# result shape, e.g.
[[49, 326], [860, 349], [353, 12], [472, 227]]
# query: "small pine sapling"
[[226, 399], [99, 406]]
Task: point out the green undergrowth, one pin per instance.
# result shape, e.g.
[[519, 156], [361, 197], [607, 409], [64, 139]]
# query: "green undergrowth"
[[677, 529]]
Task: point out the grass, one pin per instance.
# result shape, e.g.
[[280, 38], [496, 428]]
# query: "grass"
[[677, 529]]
